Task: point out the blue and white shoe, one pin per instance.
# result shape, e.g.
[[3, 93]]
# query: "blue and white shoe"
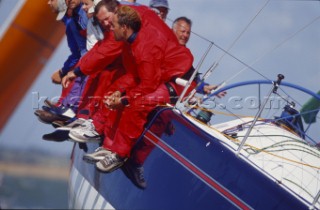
[[96, 156], [73, 124], [110, 162], [62, 111], [85, 133]]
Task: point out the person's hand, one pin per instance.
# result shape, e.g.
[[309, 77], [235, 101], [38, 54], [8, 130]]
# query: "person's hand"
[[56, 77], [68, 78], [208, 88], [222, 94], [113, 101]]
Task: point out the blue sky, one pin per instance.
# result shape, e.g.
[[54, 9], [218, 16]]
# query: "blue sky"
[[282, 38]]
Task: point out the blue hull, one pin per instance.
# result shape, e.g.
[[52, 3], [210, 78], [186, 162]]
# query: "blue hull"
[[188, 170]]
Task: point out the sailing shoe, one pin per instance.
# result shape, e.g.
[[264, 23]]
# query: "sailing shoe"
[[57, 136], [85, 133], [59, 123], [110, 163], [49, 103], [96, 156], [72, 124], [62, 111], [135, 174], [48, 117], [46, 108]]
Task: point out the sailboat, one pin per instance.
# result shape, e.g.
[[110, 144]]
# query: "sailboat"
[[246, 163], [248, 150]]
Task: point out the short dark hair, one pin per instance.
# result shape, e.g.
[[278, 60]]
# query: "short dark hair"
[[111, 6], [182, 18], [129, 17]]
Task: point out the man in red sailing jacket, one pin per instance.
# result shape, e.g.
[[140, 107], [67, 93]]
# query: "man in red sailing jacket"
[[158, 58], [103, 65], [154, 58]]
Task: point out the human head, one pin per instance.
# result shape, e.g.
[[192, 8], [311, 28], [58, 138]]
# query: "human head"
[[87, 6], [104, 12], [72, 4], [91, 5], [182, 29], [161, 6], [125, 22], [59, 7]]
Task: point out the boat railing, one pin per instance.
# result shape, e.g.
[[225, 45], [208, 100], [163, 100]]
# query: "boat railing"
[[273, 90]]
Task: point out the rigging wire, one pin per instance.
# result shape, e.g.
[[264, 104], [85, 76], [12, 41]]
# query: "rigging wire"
[[227, 52], [273, 49], [244, 30], [249, 66], [270, 51]]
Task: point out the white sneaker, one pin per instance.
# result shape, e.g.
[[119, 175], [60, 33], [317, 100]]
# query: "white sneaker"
[[85, 133], [73, 124], [110, 162], [96, 156]]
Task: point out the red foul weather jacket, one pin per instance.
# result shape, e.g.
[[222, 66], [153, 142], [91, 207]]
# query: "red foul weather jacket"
[[178, 59], [103, 65], [102, 55], [155, 47]]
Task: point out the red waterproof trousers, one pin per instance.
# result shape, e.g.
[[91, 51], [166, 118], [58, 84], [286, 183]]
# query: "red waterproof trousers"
[[131, 123], [95, 90], [122, 128]]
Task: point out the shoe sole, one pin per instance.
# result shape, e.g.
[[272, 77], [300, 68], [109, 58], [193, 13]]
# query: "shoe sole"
[[76, 139], [57, 125], [90, 159], [52, 120], [110, 170], [45, 122], [64, 128], [63, 137]]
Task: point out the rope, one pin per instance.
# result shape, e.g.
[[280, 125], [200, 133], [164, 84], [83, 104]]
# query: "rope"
[[217, 112], [269, 153], [256, 148]]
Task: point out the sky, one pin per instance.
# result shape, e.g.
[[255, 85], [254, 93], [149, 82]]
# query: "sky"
[[279, 36]]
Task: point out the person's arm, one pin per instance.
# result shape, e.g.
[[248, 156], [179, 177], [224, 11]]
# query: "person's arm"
[[149, 79], [178, 62], [68, 78], [101, 55], [79, 29], [80, 40], [56, 77], [97, 59], [75, 55], [201, 88], [124, 83], [132, 86]]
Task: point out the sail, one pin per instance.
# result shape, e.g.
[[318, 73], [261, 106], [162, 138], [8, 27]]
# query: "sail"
[[26, 46], [310, 110]]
